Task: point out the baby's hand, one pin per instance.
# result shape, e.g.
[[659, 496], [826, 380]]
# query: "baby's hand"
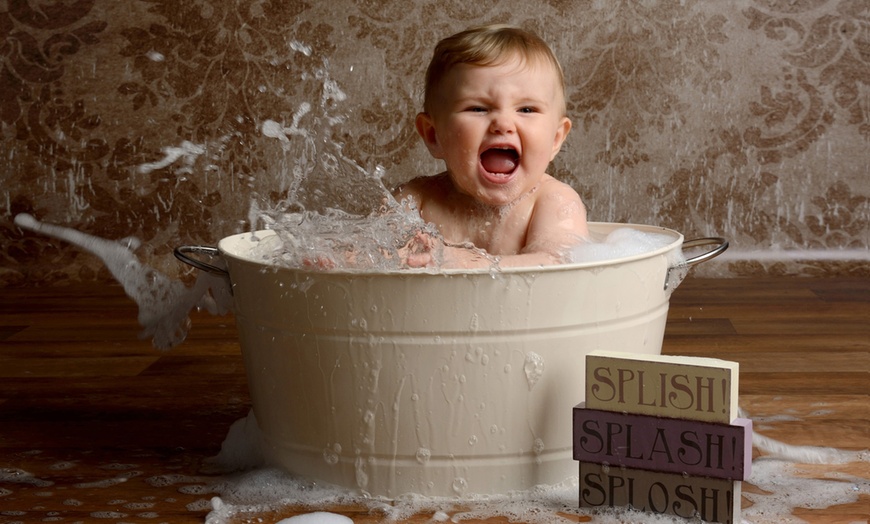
[[319, 262], [419, 251]]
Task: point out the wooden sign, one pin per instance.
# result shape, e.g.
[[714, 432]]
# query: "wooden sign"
[[713, 500], [663, 444], [691, 388]]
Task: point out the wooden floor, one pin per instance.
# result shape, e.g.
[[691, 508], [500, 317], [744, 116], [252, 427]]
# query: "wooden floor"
[[96, 426]]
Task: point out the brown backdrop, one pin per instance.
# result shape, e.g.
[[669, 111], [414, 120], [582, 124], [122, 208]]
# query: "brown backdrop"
[[747, 119]]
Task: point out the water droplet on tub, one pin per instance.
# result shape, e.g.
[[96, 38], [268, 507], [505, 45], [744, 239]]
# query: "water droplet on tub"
[[538, 446], [472, 440], [475, 322], [534, 368], [362, 478], [423, 455], [330, 457], [460, 485]]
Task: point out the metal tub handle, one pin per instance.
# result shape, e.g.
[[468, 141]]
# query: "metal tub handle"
[[182, 253], [720, 243]]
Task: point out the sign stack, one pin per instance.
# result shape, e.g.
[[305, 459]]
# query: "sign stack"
[[661, 434]]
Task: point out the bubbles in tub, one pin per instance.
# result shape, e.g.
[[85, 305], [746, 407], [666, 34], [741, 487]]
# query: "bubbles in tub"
[[533, 368], [625, 242], [620, 243]]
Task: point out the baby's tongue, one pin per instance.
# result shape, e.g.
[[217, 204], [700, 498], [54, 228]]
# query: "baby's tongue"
[[499, 160]]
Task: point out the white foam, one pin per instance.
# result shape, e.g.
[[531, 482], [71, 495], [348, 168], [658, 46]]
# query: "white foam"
[[267, 489], [803, 454], [626, 242], [318, 517], [620, 243], [243, 446]]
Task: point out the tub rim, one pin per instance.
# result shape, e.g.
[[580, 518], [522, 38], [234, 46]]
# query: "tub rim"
[[226, 245], [225, 250]]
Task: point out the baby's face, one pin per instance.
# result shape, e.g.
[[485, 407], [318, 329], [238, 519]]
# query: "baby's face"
[[497, 127]]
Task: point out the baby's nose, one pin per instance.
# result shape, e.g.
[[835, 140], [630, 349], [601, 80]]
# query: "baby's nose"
[[501, 123]]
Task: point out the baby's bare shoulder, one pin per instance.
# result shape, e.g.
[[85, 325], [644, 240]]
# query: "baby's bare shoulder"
[[422, 188], [552, 189], [558, 211]]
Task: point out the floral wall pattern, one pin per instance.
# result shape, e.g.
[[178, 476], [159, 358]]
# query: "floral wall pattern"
[[746, 119]]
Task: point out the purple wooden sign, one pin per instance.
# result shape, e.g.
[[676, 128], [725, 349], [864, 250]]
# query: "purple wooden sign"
[[664, 444]]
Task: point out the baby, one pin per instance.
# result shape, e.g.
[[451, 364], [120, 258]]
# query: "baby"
[[494, 112]]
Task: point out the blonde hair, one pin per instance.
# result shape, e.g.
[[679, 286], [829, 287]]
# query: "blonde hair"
[[485, 46]]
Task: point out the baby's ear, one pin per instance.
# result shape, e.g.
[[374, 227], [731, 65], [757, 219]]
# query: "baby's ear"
[[426, 129], [561, 134]]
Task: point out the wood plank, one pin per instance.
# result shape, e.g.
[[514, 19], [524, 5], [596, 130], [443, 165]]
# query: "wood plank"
[[74, 367]]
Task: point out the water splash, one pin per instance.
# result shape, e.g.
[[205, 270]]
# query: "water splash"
[[164, 303]]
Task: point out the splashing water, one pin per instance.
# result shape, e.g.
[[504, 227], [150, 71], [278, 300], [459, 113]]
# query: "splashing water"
[[339, 240], [331, 214], [163, 303]]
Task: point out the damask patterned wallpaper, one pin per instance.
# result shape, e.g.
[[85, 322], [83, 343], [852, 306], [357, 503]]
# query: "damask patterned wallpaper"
[[748, 119]]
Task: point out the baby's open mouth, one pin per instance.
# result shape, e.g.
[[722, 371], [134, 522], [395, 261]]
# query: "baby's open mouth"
[[502, 160]]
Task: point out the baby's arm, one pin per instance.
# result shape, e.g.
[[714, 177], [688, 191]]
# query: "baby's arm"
[[558, 223]]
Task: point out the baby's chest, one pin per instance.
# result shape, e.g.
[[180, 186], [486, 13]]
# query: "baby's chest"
[[499, 234]]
